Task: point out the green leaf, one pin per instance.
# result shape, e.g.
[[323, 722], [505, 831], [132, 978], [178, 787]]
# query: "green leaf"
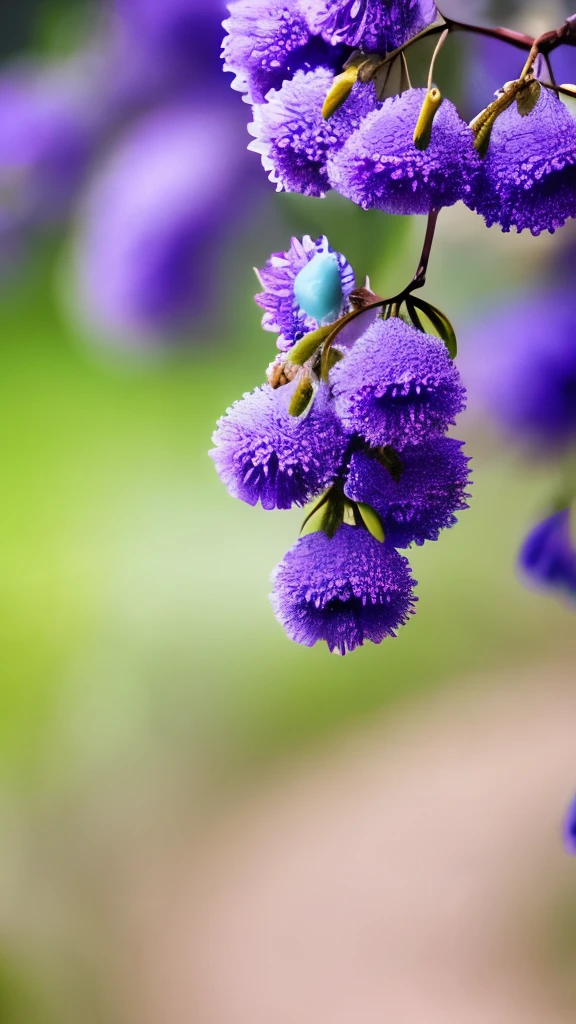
[[309, 524], [334, 356], [528, 98], [389, 79], [327, 514], [334, 515], [302, 398], [440, 323], [413, 315], [307, 346], [371, 521]]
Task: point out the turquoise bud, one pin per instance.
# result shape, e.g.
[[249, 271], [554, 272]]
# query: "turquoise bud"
[[318, 288]]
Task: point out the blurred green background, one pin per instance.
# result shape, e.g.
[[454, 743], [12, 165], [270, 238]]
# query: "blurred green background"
[[143, 676]]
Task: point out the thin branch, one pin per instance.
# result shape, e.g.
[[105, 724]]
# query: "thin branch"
[[418, 281], [545, 44], [506, 35], [561, 89], [420, 275]]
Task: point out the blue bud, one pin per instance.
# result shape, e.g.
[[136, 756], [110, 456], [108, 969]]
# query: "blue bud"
[[318, 288]]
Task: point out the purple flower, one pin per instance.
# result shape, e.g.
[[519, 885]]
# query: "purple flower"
[[264, 454], [268, 41], [548, 556], [422, 499], [380, 25], [293, 138], [343, 590], [379, 167], [148, 244], [397, 386], [528, 176], [570, 828], [282, 312], [523, 367]]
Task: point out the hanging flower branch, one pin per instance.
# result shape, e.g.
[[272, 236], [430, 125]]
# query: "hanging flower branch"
[[354, 416]]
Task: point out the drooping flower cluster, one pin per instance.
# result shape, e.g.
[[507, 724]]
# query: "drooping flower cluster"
[[364, 437], [356, 417], [391, 147]]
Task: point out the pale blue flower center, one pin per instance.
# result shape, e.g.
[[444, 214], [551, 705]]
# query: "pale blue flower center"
[[318, 288]]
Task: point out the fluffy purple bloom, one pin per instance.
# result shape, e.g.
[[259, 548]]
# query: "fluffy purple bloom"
[[548, 556], [570, 828], [379, 167], [267, 41], [522, 360], [397, 386], [148, 244], [528, 176], [293, 138], [380, 25], [264, 454], [282, 313], [421, 501], [343, 590]]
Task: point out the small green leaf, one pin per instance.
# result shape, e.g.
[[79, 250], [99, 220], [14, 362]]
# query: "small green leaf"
[[348, 515], [334, 356], [440, 323], [390, 78], [413, 315], [327, 514], [302, 398], [314, 522], [528, 98], [312, 510], [334, 515], [307, 346], [371, 521]]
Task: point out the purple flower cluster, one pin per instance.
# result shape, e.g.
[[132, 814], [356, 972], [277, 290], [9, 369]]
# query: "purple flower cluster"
[[528, 177], [380, 167], [370, 444], [268, 41], [514, 165]]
